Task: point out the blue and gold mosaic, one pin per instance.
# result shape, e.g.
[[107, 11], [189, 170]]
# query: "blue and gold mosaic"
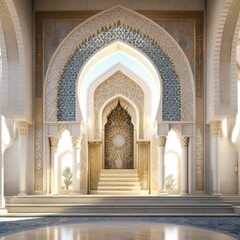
[[171, 95]]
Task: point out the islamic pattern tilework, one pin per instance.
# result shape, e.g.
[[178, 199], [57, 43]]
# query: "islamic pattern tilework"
[[143, 164], [154, 166], [118, 152], [38, 136], [118, 83], [84, 166], [199, 146], [199, 127], [171, 96], [199, 60], [55, 30], [183, 33]]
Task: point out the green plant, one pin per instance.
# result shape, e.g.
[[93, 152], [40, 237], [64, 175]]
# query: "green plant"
[[67, 174], [170, 182]]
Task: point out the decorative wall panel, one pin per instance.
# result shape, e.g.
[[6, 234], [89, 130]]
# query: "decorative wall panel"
[[94, 156], [200, 113], [84, 166], [119, 140], [171, 95], [154, 166], [143, 163], [120, 23], [118, 83], [181, 25], [38, 151]]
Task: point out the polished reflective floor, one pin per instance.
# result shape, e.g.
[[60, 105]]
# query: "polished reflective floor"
[[118, 231]]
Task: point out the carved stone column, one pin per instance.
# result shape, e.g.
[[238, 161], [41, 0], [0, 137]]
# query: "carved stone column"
[[54, 164], [76, 141], [184, 166], [216, 132], [161, 141], [22, 153]]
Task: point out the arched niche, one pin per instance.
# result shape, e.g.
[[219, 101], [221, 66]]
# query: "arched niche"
[[222, 88], [119, 56], [126, 105], [118, 85], [119, 23], [15, 101], [118, 139]]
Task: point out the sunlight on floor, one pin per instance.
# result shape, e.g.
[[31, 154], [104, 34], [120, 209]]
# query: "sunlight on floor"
[[119, 230]]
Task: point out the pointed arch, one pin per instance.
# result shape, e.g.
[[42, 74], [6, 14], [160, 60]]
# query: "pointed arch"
[[178, 94]]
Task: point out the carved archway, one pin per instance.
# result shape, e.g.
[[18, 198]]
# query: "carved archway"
[[118, 84], [171, 63]]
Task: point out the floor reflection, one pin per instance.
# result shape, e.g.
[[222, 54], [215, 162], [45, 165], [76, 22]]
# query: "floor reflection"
[[118, 231]]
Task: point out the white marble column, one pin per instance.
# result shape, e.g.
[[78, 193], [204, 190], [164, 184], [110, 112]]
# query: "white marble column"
[[54, 164], [2, 199], [215, 128], [22, 153], [161, 141], [76, 141], [238, 173], [184, 166]]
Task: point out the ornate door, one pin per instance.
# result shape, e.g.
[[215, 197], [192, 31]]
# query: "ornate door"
[[119, 140]]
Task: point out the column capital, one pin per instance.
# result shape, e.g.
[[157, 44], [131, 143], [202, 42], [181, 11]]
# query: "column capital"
[[76, 141], [161, 141], [216, 129], [23, 128], [184, 141], [54, 141]]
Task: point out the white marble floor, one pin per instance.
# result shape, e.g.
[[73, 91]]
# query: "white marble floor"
[[118, 231]]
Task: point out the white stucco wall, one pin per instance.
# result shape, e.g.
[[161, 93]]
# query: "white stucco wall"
[[73, 5], [11, 170], [228, 157], [25, 15], [214, 8]]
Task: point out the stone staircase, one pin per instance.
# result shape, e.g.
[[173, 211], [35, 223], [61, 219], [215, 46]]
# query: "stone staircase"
[[99, 205], [119, 182]]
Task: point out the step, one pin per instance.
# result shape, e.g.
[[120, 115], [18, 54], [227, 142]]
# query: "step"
[[119, 188], [119, 193], [127, 175], [127, 209], [235, 200], [84, 199], [110, 184], [117, 179], [119, 205], [119, 171]]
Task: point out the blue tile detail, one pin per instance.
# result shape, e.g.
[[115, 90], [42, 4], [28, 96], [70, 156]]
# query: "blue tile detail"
[[171, 95]]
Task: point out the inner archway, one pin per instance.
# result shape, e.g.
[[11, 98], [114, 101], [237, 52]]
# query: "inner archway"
[[119, 140]]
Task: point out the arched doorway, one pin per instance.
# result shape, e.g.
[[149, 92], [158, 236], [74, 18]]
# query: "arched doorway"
[[119, 140], [70, 97]]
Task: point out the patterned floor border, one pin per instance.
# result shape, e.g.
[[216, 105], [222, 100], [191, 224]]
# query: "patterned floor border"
[[226, 225]]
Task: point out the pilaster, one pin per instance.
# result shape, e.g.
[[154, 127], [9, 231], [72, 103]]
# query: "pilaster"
[[76, 142], [216, 132], [54, 164], [161, 142], [22, 153], [184, 165]]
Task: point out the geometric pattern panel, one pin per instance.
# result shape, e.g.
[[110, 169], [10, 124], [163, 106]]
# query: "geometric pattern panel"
[[171, 92], [118, 153], [138, 24], [118, 84]]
